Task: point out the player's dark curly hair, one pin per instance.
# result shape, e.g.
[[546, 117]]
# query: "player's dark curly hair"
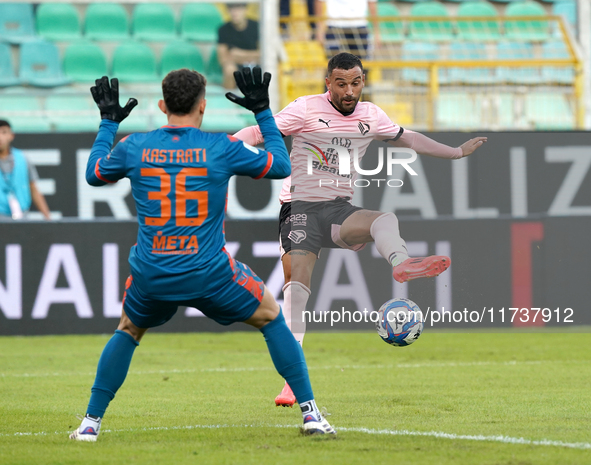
[[344, 61], [182, 89]]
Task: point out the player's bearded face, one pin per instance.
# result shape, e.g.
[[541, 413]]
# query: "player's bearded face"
[[345, 88]]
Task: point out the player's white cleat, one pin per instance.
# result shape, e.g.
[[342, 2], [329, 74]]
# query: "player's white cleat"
[[421, 267], [88, 430], [312, 425], [286, 398]]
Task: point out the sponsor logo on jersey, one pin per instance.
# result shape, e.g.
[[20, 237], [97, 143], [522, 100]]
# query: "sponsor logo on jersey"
[[320, 120], [297, 236]]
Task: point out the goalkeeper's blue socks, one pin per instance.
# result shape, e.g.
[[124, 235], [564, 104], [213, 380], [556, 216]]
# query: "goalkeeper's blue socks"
[[288, 358], [111, 372]]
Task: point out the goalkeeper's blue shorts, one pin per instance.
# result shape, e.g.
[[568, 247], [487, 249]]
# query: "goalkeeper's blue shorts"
[[236, 297]]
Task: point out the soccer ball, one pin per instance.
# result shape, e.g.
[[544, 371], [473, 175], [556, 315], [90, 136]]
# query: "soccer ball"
[[400, 322]]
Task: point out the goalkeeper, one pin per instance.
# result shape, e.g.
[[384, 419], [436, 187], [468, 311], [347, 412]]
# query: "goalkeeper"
[[179, 179]]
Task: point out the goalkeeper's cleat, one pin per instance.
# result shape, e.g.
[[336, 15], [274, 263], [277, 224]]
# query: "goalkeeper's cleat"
[[313, 426], [421, 267], [286, 398], [88, 430]]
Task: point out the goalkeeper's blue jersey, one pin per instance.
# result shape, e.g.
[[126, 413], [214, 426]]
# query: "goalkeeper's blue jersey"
[[179, 180]]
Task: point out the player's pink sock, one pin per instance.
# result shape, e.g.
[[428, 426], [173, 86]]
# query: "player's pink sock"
[[295, 296], [386, 234]]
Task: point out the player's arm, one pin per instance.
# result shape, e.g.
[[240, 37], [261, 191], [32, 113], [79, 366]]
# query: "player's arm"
[[274, 163], [105, 166], [289, 121], [420, 143], [427, 146]]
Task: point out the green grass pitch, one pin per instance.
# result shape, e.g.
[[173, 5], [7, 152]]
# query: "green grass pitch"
[[450, 398]]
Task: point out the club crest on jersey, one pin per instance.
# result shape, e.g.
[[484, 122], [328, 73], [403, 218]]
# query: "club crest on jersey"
[[363, 128], [297, 236]]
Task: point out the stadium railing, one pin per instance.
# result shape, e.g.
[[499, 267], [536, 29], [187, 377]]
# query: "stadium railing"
[[529, 77]]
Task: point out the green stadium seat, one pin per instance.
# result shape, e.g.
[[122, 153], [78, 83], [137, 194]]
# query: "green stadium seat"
[[40, 65], [72, 113], [419, 51], [221, 115], [517, 51], [153, 22], [214, 89], [84, 62], [458, 111], [17, 23], [430, 30], [554, 74], [58, 22], [390, 31], [527, 30], [200, 22], [476, 30], [470, 51], [180, 54], [106, 22], [213, 71], [549, 111], [134, 62], [7, 76], [23, 123]]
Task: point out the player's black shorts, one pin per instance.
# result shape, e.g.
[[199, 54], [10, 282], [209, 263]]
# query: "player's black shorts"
[[314, 225]]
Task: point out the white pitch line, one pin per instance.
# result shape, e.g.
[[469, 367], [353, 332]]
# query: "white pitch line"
[[389, 432], [329, 367]]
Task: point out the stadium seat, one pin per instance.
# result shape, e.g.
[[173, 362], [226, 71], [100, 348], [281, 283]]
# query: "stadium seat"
[[106, 22], [213, 71], [84, 62], [134, 62], [7, 77], [458, 110], [526, 29], [567, 9], [72, 113], [419, 51], [180, 54], [478, 30], [40, 65], [223, 115], [17, 23], [549, 111], [553, 74], [153, 22], [58, 21], [200, 22], [516, 51], [22, 103], [430, 30], [470, 51], [390, 31]]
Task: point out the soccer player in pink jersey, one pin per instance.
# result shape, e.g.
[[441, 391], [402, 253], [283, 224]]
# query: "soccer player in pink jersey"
[[314, 216]]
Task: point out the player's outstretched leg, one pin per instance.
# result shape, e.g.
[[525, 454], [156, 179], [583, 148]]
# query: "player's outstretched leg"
[[110, 374], [288, 358], [295, 296], [385, 232]]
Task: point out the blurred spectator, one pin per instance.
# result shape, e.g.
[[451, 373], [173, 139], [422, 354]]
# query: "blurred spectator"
[[238, 43], [346, 28], [18, 180]]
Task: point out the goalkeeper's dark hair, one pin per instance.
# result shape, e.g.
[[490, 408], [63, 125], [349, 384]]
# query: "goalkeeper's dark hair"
[[344, 61], [4, 123], [182, 89]]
